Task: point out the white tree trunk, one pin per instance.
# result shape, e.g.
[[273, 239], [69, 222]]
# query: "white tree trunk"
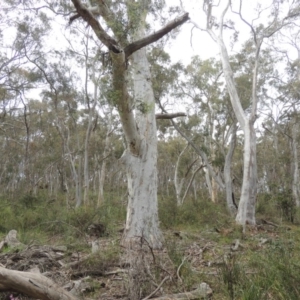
[[246, 210], [102, 172], [295, 166], [142, 211], [227, 172], [178, 183], [86, 153], [214, 191], [295, 131], [208, 182], [140, 157], [88, 134]]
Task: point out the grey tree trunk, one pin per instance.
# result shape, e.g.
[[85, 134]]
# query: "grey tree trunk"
[[86, 144], [246, 210], [142, 213], [227, 173], [102, 172], [178, 183], [295, 166], [140, 156]]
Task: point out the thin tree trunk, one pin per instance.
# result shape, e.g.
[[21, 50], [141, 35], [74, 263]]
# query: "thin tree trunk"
[[190, 183], [227, 173], [208, 182], [214, 191], [88, 133], [178, 184], [86, 156], [295, 166], [102, 172], [246, 210]]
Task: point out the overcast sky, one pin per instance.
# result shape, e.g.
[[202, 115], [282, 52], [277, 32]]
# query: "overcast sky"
[[195, 42]]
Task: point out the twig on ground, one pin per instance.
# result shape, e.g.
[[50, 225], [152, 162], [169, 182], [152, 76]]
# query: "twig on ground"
[[178, 270], [159, 286]]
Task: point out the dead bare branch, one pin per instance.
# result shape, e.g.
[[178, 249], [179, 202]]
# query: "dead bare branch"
[[156, 290], [102, 35], [202, 292], [156, 35]]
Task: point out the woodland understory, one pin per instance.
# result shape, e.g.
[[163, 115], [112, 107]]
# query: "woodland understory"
[[125, 174]]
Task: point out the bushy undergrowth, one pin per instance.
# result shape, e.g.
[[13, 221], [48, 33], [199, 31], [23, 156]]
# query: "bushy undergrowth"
[[271, 273], [276, 273], [192, 214], [267, 272], [280, 206], [39, 219]]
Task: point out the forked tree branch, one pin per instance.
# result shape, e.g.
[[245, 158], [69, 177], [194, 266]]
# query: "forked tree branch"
[[88, 16], [131, 48], [110, 42]]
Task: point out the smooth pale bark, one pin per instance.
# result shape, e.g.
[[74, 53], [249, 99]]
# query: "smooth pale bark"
[[87, 141], [142, 213], [295, 132], [214, 186], [208, 181], [211, 127], [102, 172], [76, 173], [295, 166], [178, 183], [140, 156], [246, 210], [227, 172], [214, 191]]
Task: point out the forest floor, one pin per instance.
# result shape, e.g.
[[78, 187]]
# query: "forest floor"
[[260, 263]]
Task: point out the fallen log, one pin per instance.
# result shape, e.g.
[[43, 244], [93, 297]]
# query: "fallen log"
[[32, 284]]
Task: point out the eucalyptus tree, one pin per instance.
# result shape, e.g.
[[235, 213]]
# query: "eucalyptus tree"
[[210, 126], [285, 125], [125, 39], [276, 21], [17, 79], [184, 165], [87, 57], [292, 90], [202, 84]]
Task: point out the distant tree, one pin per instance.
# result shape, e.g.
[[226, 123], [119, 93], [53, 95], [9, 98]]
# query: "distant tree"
[[260, 33]]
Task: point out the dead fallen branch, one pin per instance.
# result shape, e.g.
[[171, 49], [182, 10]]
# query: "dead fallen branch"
[[157, 289], [32, 284], [203, 292]]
